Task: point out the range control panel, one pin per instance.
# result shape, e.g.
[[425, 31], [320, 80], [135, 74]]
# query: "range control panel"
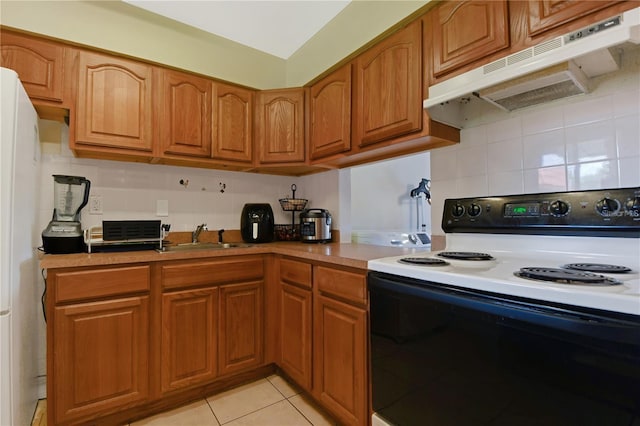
[[606, 212]]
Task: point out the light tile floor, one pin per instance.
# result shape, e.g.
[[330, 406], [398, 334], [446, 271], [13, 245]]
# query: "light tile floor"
[[265, 402]]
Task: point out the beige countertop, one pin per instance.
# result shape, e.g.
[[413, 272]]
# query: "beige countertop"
[[344, 254]]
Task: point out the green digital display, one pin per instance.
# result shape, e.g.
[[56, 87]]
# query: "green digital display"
[[519, 210], [522, 209]]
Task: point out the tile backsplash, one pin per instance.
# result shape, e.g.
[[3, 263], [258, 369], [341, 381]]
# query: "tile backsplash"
[[584, 142], [131, 190]]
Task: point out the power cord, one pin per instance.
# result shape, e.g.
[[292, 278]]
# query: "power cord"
[[43, 299]]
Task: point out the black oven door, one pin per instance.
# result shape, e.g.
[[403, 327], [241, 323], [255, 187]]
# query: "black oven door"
[[444, 355]]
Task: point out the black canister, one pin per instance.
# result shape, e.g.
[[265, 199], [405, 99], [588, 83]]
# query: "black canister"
[[256, 223]]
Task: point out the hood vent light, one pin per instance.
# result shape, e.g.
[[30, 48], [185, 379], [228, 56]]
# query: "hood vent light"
[[556, 82]]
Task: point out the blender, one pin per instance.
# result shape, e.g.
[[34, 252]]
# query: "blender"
[[64, 232]]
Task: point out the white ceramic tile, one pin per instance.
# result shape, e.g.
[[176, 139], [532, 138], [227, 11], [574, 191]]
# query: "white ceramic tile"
[[471, 136], [243, 400], [196, 414], [504, 156], [443, 164], [86, 171], [510, 128], [543, 120], [629, 169], [475, 186], [594, 175], [627, 130], [284, 387], [591, 142], [589, 110], [505, 183], [545, 179], [281, 413], [626, 102], [544, 149], [471, 161], [311, 411]]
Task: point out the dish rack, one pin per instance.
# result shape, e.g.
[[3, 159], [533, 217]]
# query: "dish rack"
[[125, 236], [293, 205]]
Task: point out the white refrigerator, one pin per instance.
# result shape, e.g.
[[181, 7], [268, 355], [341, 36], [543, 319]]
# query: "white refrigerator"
[[19, 236]]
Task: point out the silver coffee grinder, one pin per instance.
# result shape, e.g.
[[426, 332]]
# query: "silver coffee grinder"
[[64, 232]]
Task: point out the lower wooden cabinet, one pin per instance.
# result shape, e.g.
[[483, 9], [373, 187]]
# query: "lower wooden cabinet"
[[340, 359], [295, 333], [101, 355], [128, 340], [241, 327], [323, 336], [189, 338]]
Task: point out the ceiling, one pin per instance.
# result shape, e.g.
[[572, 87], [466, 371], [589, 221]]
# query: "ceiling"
[[278, 28]]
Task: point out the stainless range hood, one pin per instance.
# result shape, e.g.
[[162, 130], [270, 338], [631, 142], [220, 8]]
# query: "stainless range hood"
[[551, 70]]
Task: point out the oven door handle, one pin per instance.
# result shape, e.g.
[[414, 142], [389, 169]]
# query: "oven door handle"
[[500, 308]]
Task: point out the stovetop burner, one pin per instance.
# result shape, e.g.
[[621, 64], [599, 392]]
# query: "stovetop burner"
[[565, 276], [465, 255], [598, 267], [424, 261]]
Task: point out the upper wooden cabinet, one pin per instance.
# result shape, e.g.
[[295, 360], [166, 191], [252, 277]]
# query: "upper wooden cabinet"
[[466, 31], [279, 133], [185, 123], [388, 87], [39, 64], [114, 103], [330, 114], [547, 14], [232, 123]]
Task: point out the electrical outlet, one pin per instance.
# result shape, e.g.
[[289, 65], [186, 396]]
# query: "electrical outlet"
[[95, 204]]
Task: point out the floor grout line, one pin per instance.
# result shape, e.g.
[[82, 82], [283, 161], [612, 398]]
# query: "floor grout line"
[[212, 412], [301, 413]]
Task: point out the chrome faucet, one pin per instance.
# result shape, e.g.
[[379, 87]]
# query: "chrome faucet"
[[195, 234]]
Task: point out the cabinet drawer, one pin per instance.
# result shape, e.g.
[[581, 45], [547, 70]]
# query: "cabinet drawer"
[[91, 283], [345, 284], [294, 272], [211, 272]]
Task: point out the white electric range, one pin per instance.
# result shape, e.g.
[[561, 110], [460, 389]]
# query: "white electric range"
[[537, 313], [619, 288]]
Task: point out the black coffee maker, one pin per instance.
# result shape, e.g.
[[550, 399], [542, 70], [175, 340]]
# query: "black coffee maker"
[[256, 223]]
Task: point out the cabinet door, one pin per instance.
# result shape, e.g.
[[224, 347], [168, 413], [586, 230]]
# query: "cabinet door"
[[388, 92], [232, 123], [39, 65], [101, 358], [466, 31], [189, 338], [340, 361], [280, 126], [547, 14], [240, 343], [186, 120], [330, 121], [114, 106], [295, 334]]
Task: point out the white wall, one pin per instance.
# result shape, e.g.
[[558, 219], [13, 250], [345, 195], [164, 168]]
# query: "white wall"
[[584, 142], [380, 193]]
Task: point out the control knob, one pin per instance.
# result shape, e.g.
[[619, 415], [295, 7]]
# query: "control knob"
[[633, 206], [457, 210], [474, 210], [559, 208], [607, 206]]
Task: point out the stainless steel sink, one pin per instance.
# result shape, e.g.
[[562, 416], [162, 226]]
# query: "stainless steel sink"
[[203, 246]]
